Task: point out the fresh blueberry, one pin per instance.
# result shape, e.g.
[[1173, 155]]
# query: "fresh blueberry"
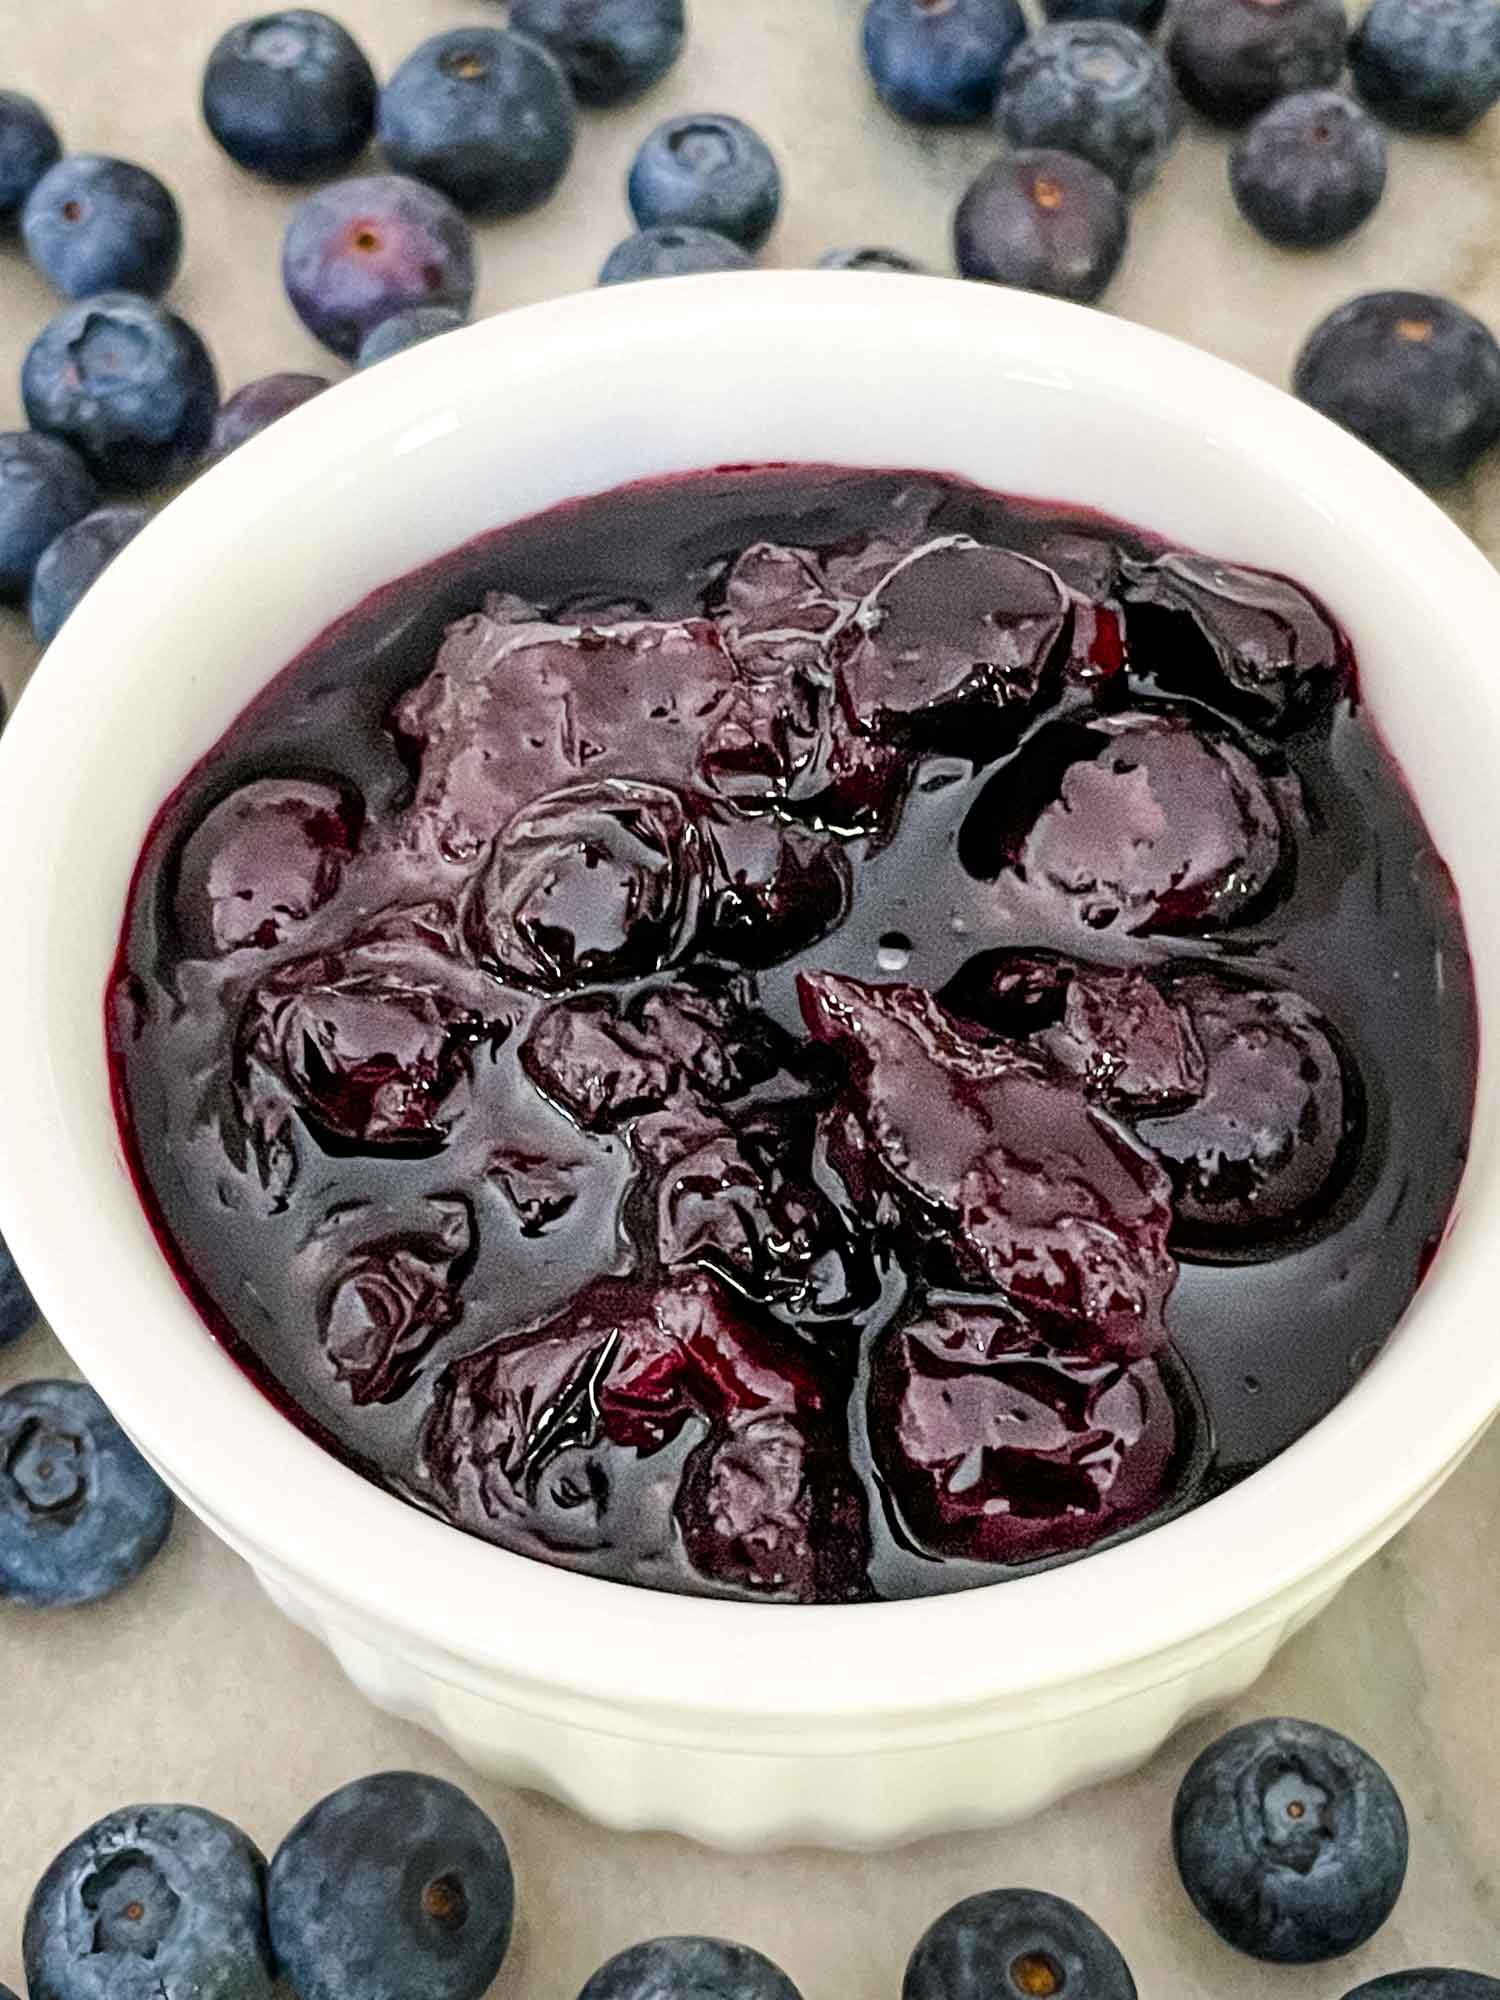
[[671, 252], [865, 257], [1095, 89], [706, 172], [1309, 169], [93, 224], [1290, 1840], [76, 560], [28, 147], [1234, 57], [939, 62], [256, 407], [1432, 1982], [17, 1306], [290, 95], [1142, 15], [689, 1968], [1010, 1943], [127, 382], [406, 329], [393, 1886], [1427, 65], [1414, 375], [44, 487], [153, 1902], [362, 249], [81, 1512], [1045, 221], [612, 50], [482, 114]]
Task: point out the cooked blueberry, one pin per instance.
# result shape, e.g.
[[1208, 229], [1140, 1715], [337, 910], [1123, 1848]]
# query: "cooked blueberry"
[[128, 383], [153, 1902], [28, 147], [1010, 1944], [939, 62], [93, 224], [1290, 1840], [407, 329], [1142, 15], [81, 1512], [44, 487], [262, 861], [689, 1968], [672, 250], [17, 1306], [257, 406], [1309, 169], [1232, 58], [1428, 65], [706, 171], [612, 50], [74, 562], [387, 1281], [771, 888], [360, 250], [862, 257], [290, 95], [1044, 221], [1096, 89], [1415, 376], [1428, 1983]]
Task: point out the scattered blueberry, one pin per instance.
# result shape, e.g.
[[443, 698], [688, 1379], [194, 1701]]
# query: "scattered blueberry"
[[1095, 89], [76, 560], [290, 95], [1414, 375], [406, 329], [1433, 1982], [128, 383], [1309, 169], [81, 1512], [1428, 65], [939, 62], [689, 1968], [93, 224], [671, 252], [612, 50], [862, 257], [706, 172], [153, 1902], [28, 147], [359, 250], [1290, 1840], [256, 407], [1010, 1943], [1142, 15], [44, 487], [17, 1306], [1045, 221], [1234, 57], [393, 1886]]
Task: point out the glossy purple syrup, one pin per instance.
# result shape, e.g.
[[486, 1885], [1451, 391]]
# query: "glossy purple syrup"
[[802, 1034]]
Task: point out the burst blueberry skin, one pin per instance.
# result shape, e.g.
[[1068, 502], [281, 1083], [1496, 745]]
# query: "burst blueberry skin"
[[1232, 58], [939, 62], [359, 250], [866, 257], [75, 562], [1043, 221], [1414, 375], [1009, 1943], [708, 171], [393, 1886], [1142, 15], [153, 1902], [44, 487], [406, 329], [1432, 1982], [1290, 1840], [1309, 170], [689, 1968], [1428, 65], [612, 50], [95, 224], [290, 96], [258, 405], [672, 251], [1096, 89], [17, 1306], [28, 147]]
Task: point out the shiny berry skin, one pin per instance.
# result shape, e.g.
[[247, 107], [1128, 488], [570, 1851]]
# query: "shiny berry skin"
[[1043, 221], [1142, 15], [262, 861], [28, 147], [359, 250], [689, 1968], [1309, 170], [861, 257], [672, 250], [44, 487], [74, 562], [94, 224], [1232, 58], [1433, 1982], [1096, 89], [290, 95], [1428, 65], [612, 50], [707, 171], [407, 329], [17, 1306], [939, 62], [257, 406], [1011, 1944]]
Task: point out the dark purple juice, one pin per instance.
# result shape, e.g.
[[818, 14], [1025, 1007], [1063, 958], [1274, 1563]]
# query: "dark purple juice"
[[801, 1034]]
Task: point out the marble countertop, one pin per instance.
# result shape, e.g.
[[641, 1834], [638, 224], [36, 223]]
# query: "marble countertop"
[[190, 1686]]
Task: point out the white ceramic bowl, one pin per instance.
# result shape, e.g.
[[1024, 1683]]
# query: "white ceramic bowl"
[[745, 1725]]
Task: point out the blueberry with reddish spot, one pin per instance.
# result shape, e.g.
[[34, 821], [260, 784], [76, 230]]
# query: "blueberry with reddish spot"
[[1011, 1944], [407, 329], [612, 50], [290, 95], [258, 405], [17, 1306], [28, 147], [1428, 65], [1309, 170], [362, 249], [689, 1968], [1097, 89], [1044, 221], [706, 171], [866, 257], [674, 250], [74, 563], [1232, 58], [95, 224], [939, 62], [44, 487]]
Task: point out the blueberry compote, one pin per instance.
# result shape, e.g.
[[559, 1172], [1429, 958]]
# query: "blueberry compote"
[[801, 1034]]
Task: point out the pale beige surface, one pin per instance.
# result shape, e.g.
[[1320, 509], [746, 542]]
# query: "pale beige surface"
[[190, 1686]]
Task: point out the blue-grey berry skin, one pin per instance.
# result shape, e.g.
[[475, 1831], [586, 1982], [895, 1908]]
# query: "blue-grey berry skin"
[[1007, 1944], [1290, 1840], [689, 1968], [1309, 170], [95, 224], [939, 62], [866, 257], [290, 96], [359, 250], [612, 50], [6, 1994], [1232, 58], [1096, 89], [44, 487], [1428, 65], [74, 563], [1432, 1982], [1142, 15], [396, 1887], [258, 405], [17, 1306], [1414, 375], [28, 147], [406, 329], [671, 252], [81, 1512], [1045, 222], [706, 171], [153, 1902], [482, 114]]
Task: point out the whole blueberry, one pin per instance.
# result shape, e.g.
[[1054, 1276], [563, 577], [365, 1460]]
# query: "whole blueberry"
[[127, 382], [612, 50], [1290, 1840], [708, 171], [17, 1306], [78, 557], [939, 62], [1142, 15], [1432, 1982], [290, 95], [257, 406], [671, 252], [81, 1512], [1428, 65], [866, 257], [1414, 375], [395, 1886], [406, 329], [44, 487], [360, 250], [1007, 1944], [153, 1902], [93, 224], [1044, 221], [1232, 58], [689, 1968], [1095, 89], [1309, 169], [28, 147]]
